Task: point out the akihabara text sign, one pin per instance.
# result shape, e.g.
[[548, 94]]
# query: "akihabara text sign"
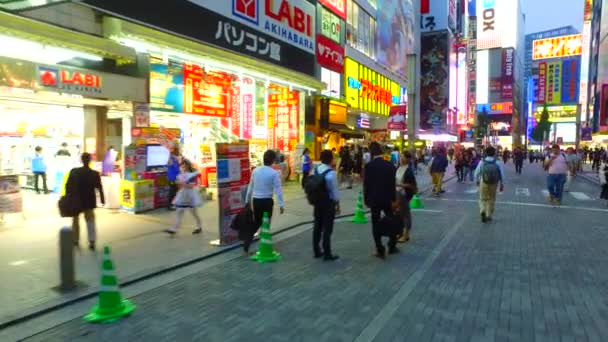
[[563, 46], [292, 21]]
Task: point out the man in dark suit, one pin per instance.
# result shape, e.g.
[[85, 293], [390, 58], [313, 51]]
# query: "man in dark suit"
[[80, 188], [379, 190]]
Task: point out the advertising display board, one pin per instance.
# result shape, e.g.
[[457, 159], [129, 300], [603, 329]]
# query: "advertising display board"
[[496, 108], [507, 72], [283, 109], [233, 175], [433, 15], [562, 46], [397, 118], [497, 23], [554, 83], [369, 90], [570, 80], [434, 88], [542, 82], [337, 6], [279, 32], [330, 54], [395, 34], [331, 25]]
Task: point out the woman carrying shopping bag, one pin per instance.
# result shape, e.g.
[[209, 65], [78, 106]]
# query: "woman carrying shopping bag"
[[188, 198]]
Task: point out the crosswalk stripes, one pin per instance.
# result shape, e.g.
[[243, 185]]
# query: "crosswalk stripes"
[[581, 196]]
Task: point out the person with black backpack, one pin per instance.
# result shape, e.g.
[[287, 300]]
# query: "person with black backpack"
[[489, 174], [322, 192]]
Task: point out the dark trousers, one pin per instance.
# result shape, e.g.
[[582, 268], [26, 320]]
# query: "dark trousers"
[[304, 176], [460, 173], [172, 192], [377, 230], [44, 187], [260, 206], [324, 225], [519, 164]]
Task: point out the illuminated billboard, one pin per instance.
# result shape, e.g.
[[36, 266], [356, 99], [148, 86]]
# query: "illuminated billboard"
[[563, 46], [496, 23], [434, 80], [395, 34], [367, 90]]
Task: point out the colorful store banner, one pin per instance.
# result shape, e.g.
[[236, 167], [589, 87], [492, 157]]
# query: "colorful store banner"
[[368, 90], [247, 106], [233, 175], [542, 82], [570, 81], [434, 88], [554, 83], [283, 120], [331, 25], [507, 72], [188, 88], [330, 54], [337, 6]]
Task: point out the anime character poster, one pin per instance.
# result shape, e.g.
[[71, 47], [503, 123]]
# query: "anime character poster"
[[434, 80], [395, 34]]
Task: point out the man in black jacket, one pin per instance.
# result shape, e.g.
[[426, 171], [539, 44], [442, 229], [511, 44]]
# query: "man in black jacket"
[[379, 190], [80, 188]]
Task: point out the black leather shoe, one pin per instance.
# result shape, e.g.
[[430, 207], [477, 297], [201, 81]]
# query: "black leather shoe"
[[319, 255], [393, 250], [331, 257], [381, 253]]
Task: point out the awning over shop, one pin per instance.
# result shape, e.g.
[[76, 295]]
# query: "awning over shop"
[[346, 132], [117, 29], [43, 33]]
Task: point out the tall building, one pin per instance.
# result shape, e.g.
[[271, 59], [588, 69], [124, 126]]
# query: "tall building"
[[560, 31], [500, 68], [443, 70]]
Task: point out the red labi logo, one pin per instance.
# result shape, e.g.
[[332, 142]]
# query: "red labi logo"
[[246, 9], [48, 78]]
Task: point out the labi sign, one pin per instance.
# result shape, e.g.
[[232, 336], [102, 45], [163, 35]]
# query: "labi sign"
[[71, 81]]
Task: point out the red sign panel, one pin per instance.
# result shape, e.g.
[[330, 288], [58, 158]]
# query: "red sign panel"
[[337, 6], [396, 120], [542, 82], [283, 109], [330, 54], [206, 93], [235, 111]]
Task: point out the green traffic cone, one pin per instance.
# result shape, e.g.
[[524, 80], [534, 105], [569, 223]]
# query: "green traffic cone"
[[416, 203], [266, 252], [111, 306], [360, 212]]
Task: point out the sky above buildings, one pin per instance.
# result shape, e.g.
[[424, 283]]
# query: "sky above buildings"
[[562, 13]]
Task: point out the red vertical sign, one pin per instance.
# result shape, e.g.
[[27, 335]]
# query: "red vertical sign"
[[283, 117], [425, 6], [542, 82]]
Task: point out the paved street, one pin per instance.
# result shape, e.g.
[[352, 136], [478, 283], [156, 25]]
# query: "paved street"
[[537, 273], [29, 265]]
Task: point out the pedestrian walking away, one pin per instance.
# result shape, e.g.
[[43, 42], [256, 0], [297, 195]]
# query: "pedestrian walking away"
[[326, 204], [518, 160], [573, 163], [265, 182], [80, 189], [39, 169], [306, 165], [379, 193], [188, 197], [173, 170], [556, 165], [489, 174], [439, 165], [407, 187]]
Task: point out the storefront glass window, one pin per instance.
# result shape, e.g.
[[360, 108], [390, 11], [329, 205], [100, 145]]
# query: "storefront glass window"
[[360, 29], [332, 79]]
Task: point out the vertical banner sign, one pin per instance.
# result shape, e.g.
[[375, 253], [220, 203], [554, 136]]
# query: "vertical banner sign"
[[507, 73], [542, 82], [550, 82], [247, 106], [397, 118], [235, 111], [557, 83], [205, 93], [570, 85], [233, 175], [284, 109]]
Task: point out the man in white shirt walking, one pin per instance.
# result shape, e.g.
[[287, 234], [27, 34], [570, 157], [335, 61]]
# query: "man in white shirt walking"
[[265, 181]]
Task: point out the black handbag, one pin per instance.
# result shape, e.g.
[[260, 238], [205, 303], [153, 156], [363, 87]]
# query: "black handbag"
[[66, 207], [244, 220], [391, 225]]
